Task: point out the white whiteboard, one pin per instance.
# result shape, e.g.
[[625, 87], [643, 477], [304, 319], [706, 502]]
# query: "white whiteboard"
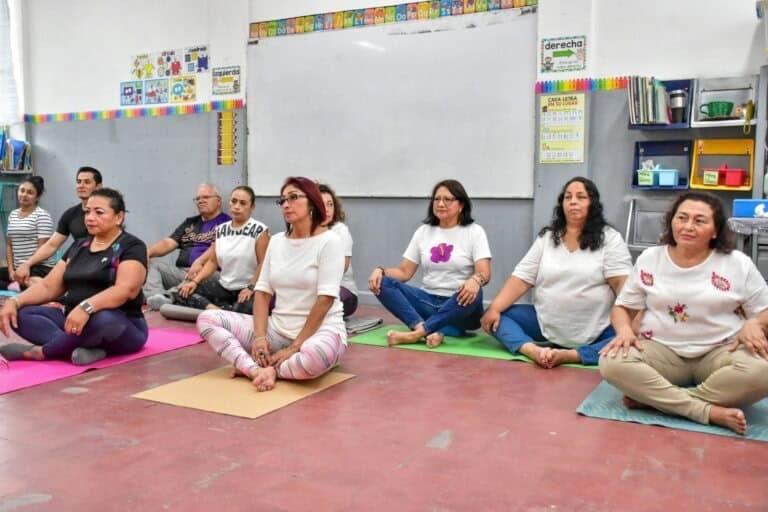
[[387, 111]]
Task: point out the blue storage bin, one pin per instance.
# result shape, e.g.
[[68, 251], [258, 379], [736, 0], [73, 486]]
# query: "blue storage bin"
[[750, 208], [668, 177]]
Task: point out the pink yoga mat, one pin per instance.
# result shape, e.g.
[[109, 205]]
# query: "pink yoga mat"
[[24, 374]]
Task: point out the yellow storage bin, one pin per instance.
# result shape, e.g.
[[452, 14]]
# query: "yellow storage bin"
[[716, 153]]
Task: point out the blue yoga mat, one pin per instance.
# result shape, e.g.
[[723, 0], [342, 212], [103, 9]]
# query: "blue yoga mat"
[[605, 402]]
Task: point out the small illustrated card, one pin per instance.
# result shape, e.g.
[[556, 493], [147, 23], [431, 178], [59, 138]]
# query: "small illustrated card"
[[131, 93], [196, 59], [156, 91], [183, 89], [226, 80]]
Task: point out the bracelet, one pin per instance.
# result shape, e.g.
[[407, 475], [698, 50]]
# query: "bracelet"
[[478, 278], [259, 338], [383, 272], [16, 300]]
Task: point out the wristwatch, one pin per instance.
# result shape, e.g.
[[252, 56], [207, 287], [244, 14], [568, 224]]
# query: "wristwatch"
[[251, 287], [86, 306]]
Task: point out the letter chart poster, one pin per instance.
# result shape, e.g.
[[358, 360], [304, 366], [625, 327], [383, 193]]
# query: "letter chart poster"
[[563, 54], [561, 123]]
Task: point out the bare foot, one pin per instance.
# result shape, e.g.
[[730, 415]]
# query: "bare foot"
[[435, 339], [733, 419], [264, 378], [535, 352], [631, 403], [557, 356], [397, 337]]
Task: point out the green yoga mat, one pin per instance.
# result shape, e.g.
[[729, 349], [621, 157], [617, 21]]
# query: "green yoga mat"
[[475, 345], [605, 403]]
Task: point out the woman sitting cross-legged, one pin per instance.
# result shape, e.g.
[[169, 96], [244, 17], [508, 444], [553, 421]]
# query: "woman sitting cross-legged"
[[305, 335], [575, 266], [238, 250], [456, 261], [100, 278], [702, 347]]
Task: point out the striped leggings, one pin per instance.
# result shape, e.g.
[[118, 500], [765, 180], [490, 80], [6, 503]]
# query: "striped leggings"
[[231, 336]]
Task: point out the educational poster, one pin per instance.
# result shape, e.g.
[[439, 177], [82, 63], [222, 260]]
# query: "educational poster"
[[563, 54], [156, 91], [131, 93], [561, 128], [141, 66], [183, 89], [196, 59], [168, 63], [226, 80]]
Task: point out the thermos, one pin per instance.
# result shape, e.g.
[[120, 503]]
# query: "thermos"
[[678, 101]]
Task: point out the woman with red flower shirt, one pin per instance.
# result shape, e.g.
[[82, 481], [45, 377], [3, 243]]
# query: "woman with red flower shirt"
[[705, 311]]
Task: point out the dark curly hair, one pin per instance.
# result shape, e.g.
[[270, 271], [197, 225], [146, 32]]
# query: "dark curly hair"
[[724, 241], [457, 190], [592, 236]]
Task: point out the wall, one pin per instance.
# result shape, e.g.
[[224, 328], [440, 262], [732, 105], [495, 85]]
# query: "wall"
[[78, 51], [668, 39]]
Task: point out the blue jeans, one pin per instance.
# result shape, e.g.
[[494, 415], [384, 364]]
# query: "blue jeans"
[[109, 329], [520, 325], [413, 306]]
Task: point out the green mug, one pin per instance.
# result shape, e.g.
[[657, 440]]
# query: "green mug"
[[717, 108]]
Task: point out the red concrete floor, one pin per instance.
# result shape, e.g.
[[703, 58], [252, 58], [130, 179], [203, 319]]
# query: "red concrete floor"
[[412, 431]]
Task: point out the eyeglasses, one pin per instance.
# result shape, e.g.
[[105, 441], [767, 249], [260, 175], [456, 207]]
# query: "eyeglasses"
[[202, 198], [447, 200], [290, 198]]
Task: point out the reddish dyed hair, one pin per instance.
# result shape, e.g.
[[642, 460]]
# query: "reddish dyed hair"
[[311, 190]]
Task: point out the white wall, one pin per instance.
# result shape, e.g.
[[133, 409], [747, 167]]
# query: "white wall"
[[664, 38], [77, 52], [266, 10]]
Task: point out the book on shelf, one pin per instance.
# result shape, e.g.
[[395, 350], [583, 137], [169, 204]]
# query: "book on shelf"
[[648, 101]]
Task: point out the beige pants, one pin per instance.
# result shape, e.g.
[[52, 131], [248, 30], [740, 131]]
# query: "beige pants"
[[654, 377]]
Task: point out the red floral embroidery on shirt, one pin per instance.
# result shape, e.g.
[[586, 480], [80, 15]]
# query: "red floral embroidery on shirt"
[[677, 312], [647, 334], [720, 282], [646, 278]]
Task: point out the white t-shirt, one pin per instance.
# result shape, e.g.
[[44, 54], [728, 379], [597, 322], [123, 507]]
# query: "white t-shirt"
[[347, 281], [25, 232], [236, 252], [693, 310], [447, 256], [571, 293], [296, 271]]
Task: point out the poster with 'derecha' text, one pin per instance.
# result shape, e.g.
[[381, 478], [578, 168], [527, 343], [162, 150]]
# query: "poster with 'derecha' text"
[[561, 128]]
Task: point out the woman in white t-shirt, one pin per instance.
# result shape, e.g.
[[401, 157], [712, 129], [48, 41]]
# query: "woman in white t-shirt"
[[238, 250], [705, 311], [334, 220], [305, 335], [456, 260], [29, 227], [576, 267]]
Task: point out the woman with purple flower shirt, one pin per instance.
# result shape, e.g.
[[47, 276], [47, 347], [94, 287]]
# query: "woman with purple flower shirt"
[[100, 279], [456, 260], [576, 266]]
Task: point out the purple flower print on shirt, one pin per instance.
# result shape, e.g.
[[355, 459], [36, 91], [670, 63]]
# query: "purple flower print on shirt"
[[441, 253]]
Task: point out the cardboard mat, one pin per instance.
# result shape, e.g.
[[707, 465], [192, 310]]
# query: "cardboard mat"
[[477, 344], [605, 402], [216, 391]]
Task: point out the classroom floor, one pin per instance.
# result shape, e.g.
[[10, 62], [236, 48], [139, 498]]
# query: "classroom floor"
[[412, 431]]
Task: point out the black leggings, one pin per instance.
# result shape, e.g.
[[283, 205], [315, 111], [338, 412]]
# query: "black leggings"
[[209, 292]]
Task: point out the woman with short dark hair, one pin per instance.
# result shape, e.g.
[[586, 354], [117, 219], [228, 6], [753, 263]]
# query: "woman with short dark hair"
[[100, 278], [576, 266], [456, 260], [705, 311]]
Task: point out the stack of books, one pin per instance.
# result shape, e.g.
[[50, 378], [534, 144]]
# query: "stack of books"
[[648, 101]]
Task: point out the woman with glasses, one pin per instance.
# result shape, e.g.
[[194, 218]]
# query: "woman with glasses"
[[238, 250], [456, 259], [305, 335], [334, 220], [576, 266]]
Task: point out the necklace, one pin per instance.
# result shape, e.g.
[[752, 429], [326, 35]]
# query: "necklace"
[[104, 244]]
